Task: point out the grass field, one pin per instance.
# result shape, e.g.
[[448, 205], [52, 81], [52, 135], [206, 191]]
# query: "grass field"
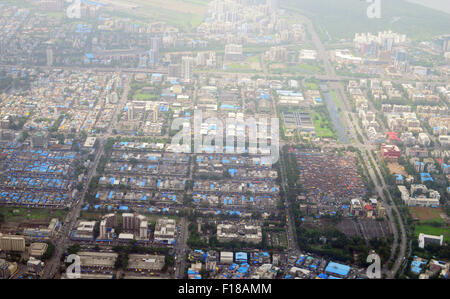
[[251, 64], [311, 85], [142, 96], [320, 126], [300, 68], [432, 230], [426, 214], [344, 18], [18, 215], [430, 222], [187, 14]]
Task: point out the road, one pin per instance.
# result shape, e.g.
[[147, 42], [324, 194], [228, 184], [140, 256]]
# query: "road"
[[180, 248], [62, 240], [363, 147]]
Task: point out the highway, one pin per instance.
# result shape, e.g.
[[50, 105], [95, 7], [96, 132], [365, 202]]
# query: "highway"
[[354, 127]]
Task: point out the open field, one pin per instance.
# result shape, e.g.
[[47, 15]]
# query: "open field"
[[432, 230], [187, 14], [426, 214], [18, 215], [143, 96], [396, 168], [321, 126], [311, 85], [430, 222]]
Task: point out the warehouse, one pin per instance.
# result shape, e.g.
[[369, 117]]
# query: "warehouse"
[[338, 270], [97, 259], [146, 262]]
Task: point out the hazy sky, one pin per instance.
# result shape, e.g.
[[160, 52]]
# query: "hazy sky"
[[442, 5]]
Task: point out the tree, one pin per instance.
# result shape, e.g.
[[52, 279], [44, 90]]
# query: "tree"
[[49, 252]]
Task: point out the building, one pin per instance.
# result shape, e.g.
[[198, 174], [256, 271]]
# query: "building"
[[154, 50], [338, 270], [165, 231], [4, 271], [174, 70], [132, 222], [49, 53], [12, 243], [356, 207], [7, 269], [42, 233], [34, 265], [39, 140], [425, 240], [273, 5], [226, 257], [90, 142], [187, 68], [97, 259], [143, 230], [37, 249], [124, 237], [146, 262], [85, 229], [52, 5], [240, 232], [234, 52], [420, 196], [107, 225], [390, 152]]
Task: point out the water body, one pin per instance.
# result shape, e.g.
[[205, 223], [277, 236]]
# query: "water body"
[[441, 5], [335, 116]]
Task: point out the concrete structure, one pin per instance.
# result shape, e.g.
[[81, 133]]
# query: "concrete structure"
[[146, 262], [12, 243], [425, 240], [97, 259], [165, 231], [37, 249], [34, 265], [85, 229], [187, 68], [240, 232], [390, 152], [226, 257]]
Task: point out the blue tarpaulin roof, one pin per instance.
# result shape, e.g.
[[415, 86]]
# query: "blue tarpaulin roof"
[[339, 269]]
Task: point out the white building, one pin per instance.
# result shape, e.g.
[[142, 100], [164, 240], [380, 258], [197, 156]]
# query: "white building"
[[425, 240], [165, 231]]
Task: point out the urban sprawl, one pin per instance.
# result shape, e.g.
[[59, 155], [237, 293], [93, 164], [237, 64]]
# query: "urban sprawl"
[[90, 106]]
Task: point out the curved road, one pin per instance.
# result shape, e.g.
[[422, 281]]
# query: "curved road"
[[354, 125]]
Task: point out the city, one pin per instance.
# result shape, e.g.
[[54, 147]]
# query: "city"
[[223, 139]]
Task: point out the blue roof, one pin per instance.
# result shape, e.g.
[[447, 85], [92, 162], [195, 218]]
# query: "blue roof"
[[339, 269], [241, 256], [426, 177]]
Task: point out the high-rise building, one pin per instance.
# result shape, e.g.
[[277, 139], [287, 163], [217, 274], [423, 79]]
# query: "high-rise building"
[[12, 243], [273, 4], [4, 271], [49, 53], [187, 66], [155, 44], [234, 52], [52, 5], [132, 222], [165, 231], [174, 70], [143, 230]]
